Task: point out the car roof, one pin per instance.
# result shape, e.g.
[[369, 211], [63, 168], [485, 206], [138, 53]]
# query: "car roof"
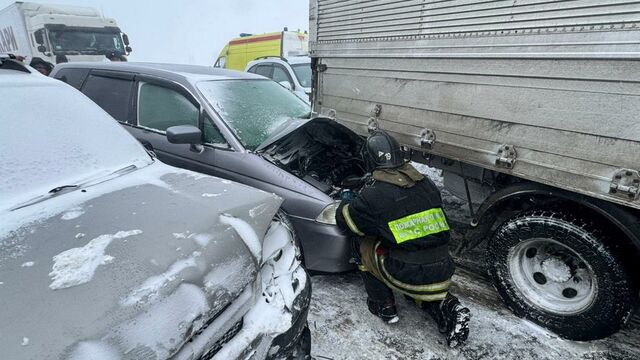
[[191, 73], [290, 60], [11, 78], [299, 60]]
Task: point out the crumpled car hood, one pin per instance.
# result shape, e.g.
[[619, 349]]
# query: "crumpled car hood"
[[130, 268], [283, 130], [320, 151]]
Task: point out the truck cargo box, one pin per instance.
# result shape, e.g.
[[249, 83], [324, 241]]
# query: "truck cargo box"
[[547, 91]]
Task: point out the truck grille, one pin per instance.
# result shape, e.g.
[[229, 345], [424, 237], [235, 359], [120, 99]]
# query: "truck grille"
[[235, 329]]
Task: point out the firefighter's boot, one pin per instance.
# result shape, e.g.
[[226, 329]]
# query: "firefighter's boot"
[[452, 318], [384, 310]]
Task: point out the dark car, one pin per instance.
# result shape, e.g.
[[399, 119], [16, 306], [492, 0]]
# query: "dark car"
[[105, 252], [252, 130]]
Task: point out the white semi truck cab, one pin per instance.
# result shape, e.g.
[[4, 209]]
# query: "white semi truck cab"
[[59, 33]]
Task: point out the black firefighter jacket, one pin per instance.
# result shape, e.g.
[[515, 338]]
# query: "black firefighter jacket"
[[403, 210]]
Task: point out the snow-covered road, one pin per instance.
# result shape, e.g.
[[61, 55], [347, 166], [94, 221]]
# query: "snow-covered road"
[[342, 327]]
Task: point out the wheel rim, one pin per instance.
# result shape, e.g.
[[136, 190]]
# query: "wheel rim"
[[552, 276]]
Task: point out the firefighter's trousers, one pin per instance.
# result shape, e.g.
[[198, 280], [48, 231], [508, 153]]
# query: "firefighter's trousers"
[[424, 278]]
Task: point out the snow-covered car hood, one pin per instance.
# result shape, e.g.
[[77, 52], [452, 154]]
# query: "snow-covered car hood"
[[129, 268]]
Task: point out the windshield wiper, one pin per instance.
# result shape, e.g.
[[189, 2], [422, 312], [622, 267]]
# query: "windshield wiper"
[[60, 188], [51, 193]]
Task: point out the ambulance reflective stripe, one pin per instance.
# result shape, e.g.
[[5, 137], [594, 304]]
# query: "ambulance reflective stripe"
[[419, 225], [349, 220]]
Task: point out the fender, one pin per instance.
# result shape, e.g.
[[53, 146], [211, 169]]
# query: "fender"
[[622, 218]]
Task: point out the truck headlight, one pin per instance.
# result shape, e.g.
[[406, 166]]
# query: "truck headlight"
[[328, 214]]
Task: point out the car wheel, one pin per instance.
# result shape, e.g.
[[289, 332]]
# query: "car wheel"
[[560, 272]]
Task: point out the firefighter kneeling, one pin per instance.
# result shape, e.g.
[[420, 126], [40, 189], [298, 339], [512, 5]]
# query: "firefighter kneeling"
[[402, 239]]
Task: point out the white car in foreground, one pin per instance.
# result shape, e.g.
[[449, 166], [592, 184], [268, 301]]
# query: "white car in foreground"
[[107, 253]]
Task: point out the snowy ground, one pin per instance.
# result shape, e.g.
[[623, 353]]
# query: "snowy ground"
[[342, 327]]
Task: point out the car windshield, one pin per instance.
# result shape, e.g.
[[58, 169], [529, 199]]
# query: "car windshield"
[[85, 42], [254, 109], [54, 137], [303, 73]]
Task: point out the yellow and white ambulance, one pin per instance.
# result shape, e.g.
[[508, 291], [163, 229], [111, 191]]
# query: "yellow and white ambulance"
[[247, 47]]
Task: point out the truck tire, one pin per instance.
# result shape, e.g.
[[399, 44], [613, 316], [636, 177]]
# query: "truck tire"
[[560, 272]]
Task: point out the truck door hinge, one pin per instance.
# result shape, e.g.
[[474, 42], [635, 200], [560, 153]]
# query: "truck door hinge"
[[331, 114], [427, 138], [372, 125], [377, 110], [625, 184], [506, 157]]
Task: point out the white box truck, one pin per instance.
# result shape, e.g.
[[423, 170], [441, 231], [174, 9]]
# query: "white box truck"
[[530, 108], [57, 33]]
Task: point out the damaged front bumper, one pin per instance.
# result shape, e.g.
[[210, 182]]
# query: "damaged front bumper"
[[275, 326]]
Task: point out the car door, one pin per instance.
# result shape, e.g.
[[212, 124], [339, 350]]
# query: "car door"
[[113, 91], [162, 104], [281, 74]]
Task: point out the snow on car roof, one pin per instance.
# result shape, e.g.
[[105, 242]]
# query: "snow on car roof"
[[12, 78]]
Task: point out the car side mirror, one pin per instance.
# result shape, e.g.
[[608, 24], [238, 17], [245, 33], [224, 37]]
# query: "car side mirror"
[[125, 39], [186, 134], [128, 49], [42, 48], [286, 85], [39, 35]]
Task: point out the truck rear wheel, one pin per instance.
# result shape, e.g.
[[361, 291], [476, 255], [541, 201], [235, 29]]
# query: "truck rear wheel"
[[559, 271]]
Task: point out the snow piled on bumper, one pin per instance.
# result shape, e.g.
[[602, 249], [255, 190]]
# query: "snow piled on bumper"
[[246, 233], [283, 281]]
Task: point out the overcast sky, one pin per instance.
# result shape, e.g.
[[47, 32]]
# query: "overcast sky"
[[194, 31]]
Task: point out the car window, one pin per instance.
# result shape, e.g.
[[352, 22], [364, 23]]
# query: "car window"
[[73, 77], [113, 95], [303, 73], [160, 108], [279, 74], [212, 135], [264, 70], [221, 62]]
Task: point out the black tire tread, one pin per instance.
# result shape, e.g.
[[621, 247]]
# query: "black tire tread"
[[603, 318]]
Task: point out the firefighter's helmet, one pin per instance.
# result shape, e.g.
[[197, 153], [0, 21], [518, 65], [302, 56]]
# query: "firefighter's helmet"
[[382, 151]]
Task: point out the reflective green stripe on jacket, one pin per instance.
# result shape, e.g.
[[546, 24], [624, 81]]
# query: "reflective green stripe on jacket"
[[419, 225]]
